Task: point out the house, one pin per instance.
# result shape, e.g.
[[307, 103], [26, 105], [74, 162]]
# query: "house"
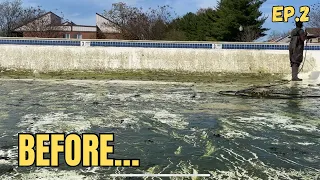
[[315, 32], [284, 39], [311, 31], [105, 29], [50, 25]]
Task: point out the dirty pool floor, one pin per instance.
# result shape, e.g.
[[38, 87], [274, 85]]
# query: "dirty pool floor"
[[171, 127]]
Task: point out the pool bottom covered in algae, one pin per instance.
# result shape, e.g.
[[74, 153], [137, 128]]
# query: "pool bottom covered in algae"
[[173, 128]]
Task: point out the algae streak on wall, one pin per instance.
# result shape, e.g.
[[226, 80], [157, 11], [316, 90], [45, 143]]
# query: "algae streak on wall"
[[60, 58]]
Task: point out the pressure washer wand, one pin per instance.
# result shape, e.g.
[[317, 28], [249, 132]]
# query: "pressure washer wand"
[[305, 55], [309, 37]]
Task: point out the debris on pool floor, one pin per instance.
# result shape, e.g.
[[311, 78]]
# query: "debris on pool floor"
[[171, 127]]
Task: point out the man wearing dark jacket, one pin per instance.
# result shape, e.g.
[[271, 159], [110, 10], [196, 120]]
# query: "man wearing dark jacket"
[[296, 47]]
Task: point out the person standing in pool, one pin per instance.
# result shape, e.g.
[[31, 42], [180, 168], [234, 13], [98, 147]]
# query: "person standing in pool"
[[296, 47]]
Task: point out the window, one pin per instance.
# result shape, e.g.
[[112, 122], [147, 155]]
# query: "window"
[[67, 36], [79, 36]]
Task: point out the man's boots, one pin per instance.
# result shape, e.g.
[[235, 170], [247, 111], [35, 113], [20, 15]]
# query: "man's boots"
[[295, 71]]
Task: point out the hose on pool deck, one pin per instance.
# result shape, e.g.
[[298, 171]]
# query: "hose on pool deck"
[[267, 95], [251, 93]]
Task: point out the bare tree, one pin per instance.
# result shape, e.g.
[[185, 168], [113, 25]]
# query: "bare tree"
[[314, 15], [175, 35], [134, 23], [313, 26], [248, 34], [11, 13], [14, 18], [276, 35]]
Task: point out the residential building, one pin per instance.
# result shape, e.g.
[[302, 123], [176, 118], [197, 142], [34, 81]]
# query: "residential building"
[[315, 32], [311, 31], [105, 30], [50, 25]]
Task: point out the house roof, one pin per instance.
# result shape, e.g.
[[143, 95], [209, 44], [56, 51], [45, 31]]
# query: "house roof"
[[103, 17], [314, 31], [280, 39], [64, 24], [284, 38], [67, 23], [112, 29], [31, 20]]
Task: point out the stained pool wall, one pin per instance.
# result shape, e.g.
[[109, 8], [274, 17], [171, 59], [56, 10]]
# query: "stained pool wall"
[[64, 54]]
